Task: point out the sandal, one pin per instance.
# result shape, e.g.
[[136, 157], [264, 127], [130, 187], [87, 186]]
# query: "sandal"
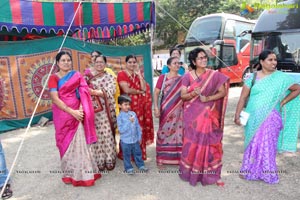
[[7, 192], [220, 183]]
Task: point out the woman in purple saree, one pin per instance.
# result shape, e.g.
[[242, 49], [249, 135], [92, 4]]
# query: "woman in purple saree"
[[204, 93], [73, 118]]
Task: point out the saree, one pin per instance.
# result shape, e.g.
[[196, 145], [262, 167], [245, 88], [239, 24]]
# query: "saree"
[[263, 127], [141, 104], [104, 150], [201, 158], [74, 137], [170, 131]]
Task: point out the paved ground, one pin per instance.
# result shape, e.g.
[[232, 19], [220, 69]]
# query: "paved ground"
[[34, 176]]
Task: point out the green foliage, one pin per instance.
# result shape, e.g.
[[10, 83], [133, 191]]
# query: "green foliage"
[[139, 39], [174, 16]]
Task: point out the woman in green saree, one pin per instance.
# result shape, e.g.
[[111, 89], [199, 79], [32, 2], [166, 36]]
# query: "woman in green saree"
[[270, 95]]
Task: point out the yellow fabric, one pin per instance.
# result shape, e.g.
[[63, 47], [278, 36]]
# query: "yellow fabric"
[[117, 94]]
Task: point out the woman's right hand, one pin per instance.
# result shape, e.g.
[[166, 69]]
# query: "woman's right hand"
[[197, 90], [237, 120], [156, 112], [77, 114]]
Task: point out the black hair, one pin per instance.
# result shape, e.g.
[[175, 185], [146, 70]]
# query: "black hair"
[[193, 56], [103, 56], [60, 54], [262, 56], [174, 49], [98, 52], [123, 99], [170, 60], [130, 56]]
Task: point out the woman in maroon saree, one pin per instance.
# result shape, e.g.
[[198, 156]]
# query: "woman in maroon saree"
[[73, 117], [204, 93]]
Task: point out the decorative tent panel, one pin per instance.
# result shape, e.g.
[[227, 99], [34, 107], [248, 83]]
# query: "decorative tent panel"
[[23, 72], [93, 20]]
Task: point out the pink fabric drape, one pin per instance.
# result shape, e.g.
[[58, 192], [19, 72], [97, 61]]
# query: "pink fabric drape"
[[65, 124]]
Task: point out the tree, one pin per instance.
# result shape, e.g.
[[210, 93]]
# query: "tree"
[[174, 16]]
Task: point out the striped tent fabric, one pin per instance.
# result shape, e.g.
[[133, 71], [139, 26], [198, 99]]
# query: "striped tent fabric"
[[103, 21]]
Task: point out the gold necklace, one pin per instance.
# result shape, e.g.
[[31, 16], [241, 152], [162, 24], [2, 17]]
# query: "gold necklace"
[[130, 75]]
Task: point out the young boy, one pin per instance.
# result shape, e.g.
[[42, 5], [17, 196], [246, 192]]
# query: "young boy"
[[130, 136]]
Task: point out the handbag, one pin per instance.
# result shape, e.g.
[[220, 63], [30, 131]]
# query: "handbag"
[[95, 99], [96, 103], [161, 93]]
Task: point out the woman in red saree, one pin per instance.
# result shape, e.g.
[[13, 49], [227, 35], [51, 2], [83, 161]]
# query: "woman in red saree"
[[73, 117], [204, 93], [170, 131], [132, 83]]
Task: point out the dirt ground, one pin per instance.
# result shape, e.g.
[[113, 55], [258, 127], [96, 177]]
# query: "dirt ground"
[[35, 176]]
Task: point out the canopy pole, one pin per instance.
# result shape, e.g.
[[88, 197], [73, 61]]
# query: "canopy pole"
[[151, 43], [36, 106]]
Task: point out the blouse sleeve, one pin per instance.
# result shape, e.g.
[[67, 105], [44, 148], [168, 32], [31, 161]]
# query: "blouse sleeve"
[[121, 77], [53, 83], [160, 81], [165, 69], [248, 80]]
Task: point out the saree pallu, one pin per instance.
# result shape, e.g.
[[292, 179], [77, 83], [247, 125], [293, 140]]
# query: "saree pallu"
[[263, 126], [141, 104], [170, 131], [104, 150], [72, 136], [201, 158]]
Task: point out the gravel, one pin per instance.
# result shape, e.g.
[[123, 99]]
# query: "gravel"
[[36, 173]]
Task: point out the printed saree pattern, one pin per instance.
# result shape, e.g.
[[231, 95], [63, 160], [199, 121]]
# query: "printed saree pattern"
[[202, 152], [170, 133]]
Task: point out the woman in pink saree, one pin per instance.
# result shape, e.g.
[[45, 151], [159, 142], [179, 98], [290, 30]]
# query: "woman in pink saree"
[[204, 93], [73, 118]]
